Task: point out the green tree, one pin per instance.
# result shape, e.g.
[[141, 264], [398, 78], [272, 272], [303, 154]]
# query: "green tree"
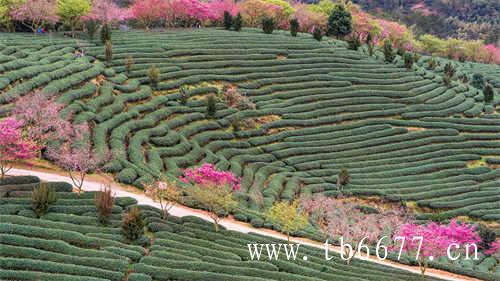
[[6, 6], [354, 42], [41, 197], [408, 60], [237, 22], [488, 93], [132, 224], [287, 216], [154, 77], [339, 22], [211, 106], [70, 12], [477, 81], [389, 54], [228, 20], [369, 43], [268, 25], [294, 27], [317, 34], [217, 200]]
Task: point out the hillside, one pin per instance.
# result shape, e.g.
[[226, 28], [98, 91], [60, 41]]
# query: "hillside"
[[402, 134], [68, 243]]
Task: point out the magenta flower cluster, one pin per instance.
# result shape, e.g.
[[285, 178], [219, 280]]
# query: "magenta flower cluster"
[[438, 237], [207, 174]]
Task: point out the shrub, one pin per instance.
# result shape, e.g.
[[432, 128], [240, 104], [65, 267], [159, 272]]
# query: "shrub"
[[257, 222], [268, 25], [477, 81], [109, 51], [389, 54], [237, 22], [354, 42], [294, 27], [184, 96], [154, 77], [129, 63], [233, 98], [139, 277], [432, 63], [127, 176], [228, 20], [211, 106], [408, 60], [41, 198], [236, 125], [91, 26], [104, 201], [343, 178], [369, 43], [449, 70], [488, 93], [132, 224], [317, 34]]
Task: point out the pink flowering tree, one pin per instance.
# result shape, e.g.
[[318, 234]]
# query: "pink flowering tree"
[[494, 249], [106, 11], [186, 13], [36, 13], [148, 11], [337, 218], [164, 192], [212, 190], [40, 116], [309, 19], [218, 7], [13, 147], [78, 162], [431, 241]]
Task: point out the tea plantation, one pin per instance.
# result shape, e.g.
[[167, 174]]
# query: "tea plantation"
[[402, 134], [68, 243]]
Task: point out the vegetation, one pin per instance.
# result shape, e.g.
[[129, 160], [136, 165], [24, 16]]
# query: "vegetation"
[[132, 224], [41, 197], [339, 22], [288, 217], [67, 244], [294, 27], [104, 202]]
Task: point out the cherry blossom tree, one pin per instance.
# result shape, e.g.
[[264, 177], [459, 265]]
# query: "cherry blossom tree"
[[494, 249], [207, 174], [218, 7], [78, 162], [40, 116], [308, 19], [36, 13], [164, 192], [341, 218], [148, 11], [431, 241], [106, 11], [213, 190], [13, 147]]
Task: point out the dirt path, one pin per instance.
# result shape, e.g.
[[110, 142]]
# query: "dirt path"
[[95, 184]]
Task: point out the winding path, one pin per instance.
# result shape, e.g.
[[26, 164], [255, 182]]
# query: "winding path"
[[229, 223]]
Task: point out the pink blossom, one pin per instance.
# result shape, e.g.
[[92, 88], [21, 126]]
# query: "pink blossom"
[[107, 11], [13, 147], [36, 13], [207, 174], [218, 7]]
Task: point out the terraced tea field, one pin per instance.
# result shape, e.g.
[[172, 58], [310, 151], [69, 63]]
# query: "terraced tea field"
[[402, 134], [68, 243]]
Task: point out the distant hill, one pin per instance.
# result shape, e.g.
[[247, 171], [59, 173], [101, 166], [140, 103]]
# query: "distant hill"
[[464, 19]]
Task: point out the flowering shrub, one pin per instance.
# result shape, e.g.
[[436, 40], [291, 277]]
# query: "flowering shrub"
[[437, 238], [207, 174], [13, 147]]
